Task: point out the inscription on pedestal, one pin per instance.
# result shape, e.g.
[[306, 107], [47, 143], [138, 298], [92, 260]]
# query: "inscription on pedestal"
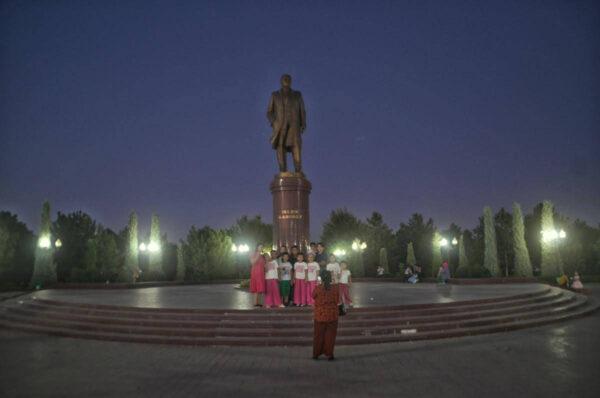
[[290, 210]]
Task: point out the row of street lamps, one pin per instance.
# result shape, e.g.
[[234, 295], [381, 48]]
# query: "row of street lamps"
[[152, 247], [44, 242]]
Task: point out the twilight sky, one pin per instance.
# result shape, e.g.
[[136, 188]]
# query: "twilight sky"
[[439, 107]]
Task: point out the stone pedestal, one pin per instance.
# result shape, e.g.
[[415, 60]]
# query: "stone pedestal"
[[290, 210]]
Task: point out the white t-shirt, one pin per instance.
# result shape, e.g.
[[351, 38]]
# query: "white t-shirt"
[[334, 268], [313, 271], [272, 270], [344, 275], [300, 270], [286, 271]]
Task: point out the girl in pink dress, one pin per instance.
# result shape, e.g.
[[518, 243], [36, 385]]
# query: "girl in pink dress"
[[257, 275], [300, 281], [272, 295], [311, 278]]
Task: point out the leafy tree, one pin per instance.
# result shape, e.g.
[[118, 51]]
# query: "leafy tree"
[[421, 233], [108, 256], [207, 254], [490, 260], [44, 269], [410, 255], [17, 247], [551, 261], [74, 231], [522, 260], [377, 236], [341, 229], [87, 271], [252, 231]]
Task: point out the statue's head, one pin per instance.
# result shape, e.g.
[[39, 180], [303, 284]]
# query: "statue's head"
[[286, 81]]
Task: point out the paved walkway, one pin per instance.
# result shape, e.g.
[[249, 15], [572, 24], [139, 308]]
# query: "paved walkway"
[[554, 361], [364, 294]]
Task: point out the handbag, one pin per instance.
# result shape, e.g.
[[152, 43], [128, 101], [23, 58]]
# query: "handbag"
[[342, 309]]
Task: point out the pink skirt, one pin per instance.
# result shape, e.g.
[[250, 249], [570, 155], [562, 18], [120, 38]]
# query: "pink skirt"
[[310, 288], [345, 293], [300, 292], [257, 278], [272, 297]]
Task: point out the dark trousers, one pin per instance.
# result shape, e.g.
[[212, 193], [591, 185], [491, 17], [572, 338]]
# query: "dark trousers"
[[324, 338]]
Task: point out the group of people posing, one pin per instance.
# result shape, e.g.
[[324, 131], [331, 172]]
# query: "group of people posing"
[[304, 279], [290, 278]]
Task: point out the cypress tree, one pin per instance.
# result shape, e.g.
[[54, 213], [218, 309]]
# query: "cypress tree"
[[436, 257], [131, 257], [44, 269], [522, 260], [155, 255], [463, 261], [490, 259], [410, 255], [551, 261]]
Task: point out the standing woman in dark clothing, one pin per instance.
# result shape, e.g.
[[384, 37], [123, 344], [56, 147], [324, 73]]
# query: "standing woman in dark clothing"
[[327, 297]]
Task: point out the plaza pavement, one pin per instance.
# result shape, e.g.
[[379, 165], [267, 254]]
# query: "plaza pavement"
[[560, 360]]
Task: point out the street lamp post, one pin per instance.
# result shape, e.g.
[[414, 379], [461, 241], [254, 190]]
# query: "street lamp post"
[[448, 245], [360, 247], [239, 251]]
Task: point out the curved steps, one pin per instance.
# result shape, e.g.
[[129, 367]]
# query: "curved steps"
[[292, 326]]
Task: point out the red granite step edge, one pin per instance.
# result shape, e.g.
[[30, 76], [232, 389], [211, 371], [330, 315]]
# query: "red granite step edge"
[[284, 315], [303, 340], [539, 292], [272, 332], [397, 318]]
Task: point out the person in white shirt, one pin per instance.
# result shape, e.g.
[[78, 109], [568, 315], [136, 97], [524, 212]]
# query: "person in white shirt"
[[345, 282], [300, 268], [312, 274], [272, 296], [334, 268], [285, 278]]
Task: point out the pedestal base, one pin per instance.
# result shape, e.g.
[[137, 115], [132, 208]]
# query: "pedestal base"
[[290, 210]]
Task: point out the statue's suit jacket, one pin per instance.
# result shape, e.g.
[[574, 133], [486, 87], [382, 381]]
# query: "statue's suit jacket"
[[287, 117]]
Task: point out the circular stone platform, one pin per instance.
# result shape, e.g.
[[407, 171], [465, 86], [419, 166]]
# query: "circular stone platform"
[[227, 296]]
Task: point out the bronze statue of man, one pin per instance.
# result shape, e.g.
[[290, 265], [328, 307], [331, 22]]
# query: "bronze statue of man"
[[288, 118]]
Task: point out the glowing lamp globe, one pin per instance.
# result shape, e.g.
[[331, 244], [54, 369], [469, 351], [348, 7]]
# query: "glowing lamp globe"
[[444, 242], [153, 247], [142, 247], [44, 242]]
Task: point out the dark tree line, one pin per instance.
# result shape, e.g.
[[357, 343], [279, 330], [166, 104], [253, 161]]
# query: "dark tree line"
[[91, 252]]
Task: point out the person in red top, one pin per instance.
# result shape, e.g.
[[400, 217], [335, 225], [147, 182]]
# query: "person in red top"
[[257, 275], [326, 296]]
